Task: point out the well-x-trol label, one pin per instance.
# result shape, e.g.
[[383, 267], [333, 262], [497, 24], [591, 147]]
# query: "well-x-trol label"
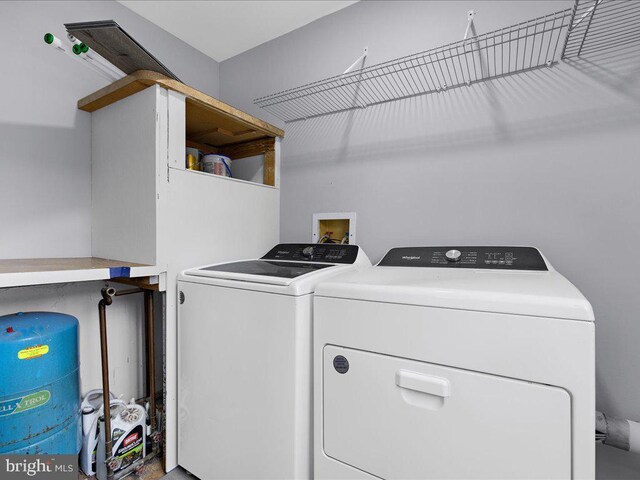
[[22, 404]]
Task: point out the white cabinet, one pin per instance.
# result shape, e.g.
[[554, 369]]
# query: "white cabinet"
[[148, 209]]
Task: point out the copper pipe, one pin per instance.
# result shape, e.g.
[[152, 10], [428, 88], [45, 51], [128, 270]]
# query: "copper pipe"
[[151, 370], [102, 313], [107, 294], [107, 299], [120, 293]]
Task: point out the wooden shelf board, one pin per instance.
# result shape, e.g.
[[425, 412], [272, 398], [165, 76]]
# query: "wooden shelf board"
[[41, 271], [205, 126], [225, 124]]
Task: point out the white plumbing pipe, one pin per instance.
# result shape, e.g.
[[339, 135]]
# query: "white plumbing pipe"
[[56, 43], [618, 432], [100, 68], [59, 45], [95, 57]]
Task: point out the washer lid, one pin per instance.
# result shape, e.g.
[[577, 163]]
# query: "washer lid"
[[298, 266], [503, 289], [267, 271]]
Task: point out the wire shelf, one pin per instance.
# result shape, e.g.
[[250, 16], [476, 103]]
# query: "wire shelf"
[[514, 49], [599, 26]]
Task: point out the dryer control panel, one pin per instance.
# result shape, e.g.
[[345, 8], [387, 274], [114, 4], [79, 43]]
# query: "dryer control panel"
[[498, 258], [314, 252]]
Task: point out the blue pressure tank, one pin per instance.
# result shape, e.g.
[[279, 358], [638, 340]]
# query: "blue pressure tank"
[[39, 394]]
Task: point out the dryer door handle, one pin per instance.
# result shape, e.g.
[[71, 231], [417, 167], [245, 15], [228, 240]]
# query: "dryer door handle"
[[421, 382]]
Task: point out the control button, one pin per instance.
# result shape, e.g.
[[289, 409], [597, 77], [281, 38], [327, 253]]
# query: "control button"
[[307, 252], [453, 255]]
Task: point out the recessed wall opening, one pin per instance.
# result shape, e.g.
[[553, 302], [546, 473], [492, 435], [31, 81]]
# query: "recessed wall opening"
[[334, 228]]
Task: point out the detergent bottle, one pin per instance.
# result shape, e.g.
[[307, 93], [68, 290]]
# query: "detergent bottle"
[[91, 408], [128, 438]]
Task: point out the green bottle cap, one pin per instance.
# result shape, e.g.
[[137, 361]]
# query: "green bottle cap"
[[84, 47], [49, 38], [76, 49]]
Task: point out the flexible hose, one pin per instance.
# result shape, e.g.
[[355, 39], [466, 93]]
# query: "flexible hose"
[[618, 432]]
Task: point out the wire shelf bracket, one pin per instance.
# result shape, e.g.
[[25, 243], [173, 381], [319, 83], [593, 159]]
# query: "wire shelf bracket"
[[360, 60], [471, 28], [517, 48], [601, 27]]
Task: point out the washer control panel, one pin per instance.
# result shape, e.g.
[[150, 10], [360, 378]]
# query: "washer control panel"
[[314, 252], [497, 258]]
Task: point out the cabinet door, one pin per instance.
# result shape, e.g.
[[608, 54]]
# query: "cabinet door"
[[125, 146], [403, 419]]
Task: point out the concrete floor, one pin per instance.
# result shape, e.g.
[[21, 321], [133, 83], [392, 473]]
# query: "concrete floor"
[[179, 473]]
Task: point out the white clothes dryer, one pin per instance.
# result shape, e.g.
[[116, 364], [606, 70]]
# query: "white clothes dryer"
[[454, 362]]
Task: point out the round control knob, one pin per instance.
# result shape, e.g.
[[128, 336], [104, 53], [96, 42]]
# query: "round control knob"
[[453, 255], [307, 252]]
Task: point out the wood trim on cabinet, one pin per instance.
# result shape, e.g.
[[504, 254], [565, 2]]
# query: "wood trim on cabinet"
[[142, 79], [269, 168]]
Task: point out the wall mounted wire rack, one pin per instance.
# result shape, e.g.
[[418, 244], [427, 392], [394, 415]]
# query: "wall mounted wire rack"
[[601, 26], [514, 49]]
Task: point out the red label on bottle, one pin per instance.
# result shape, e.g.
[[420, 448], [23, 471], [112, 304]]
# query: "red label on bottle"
[[130, 439]]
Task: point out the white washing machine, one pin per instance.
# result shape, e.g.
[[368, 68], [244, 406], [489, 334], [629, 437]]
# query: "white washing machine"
[[245, 362], [454, 362]]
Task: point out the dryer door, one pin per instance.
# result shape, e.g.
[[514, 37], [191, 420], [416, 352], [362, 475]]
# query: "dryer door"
[[401, 419]]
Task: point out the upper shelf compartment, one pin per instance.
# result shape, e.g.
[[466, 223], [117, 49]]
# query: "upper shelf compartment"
[[211, 126], [517, 48], [209, 121]]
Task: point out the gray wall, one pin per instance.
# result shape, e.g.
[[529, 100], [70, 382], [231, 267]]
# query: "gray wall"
[[546, 158], [45, 168], [45, 149]]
